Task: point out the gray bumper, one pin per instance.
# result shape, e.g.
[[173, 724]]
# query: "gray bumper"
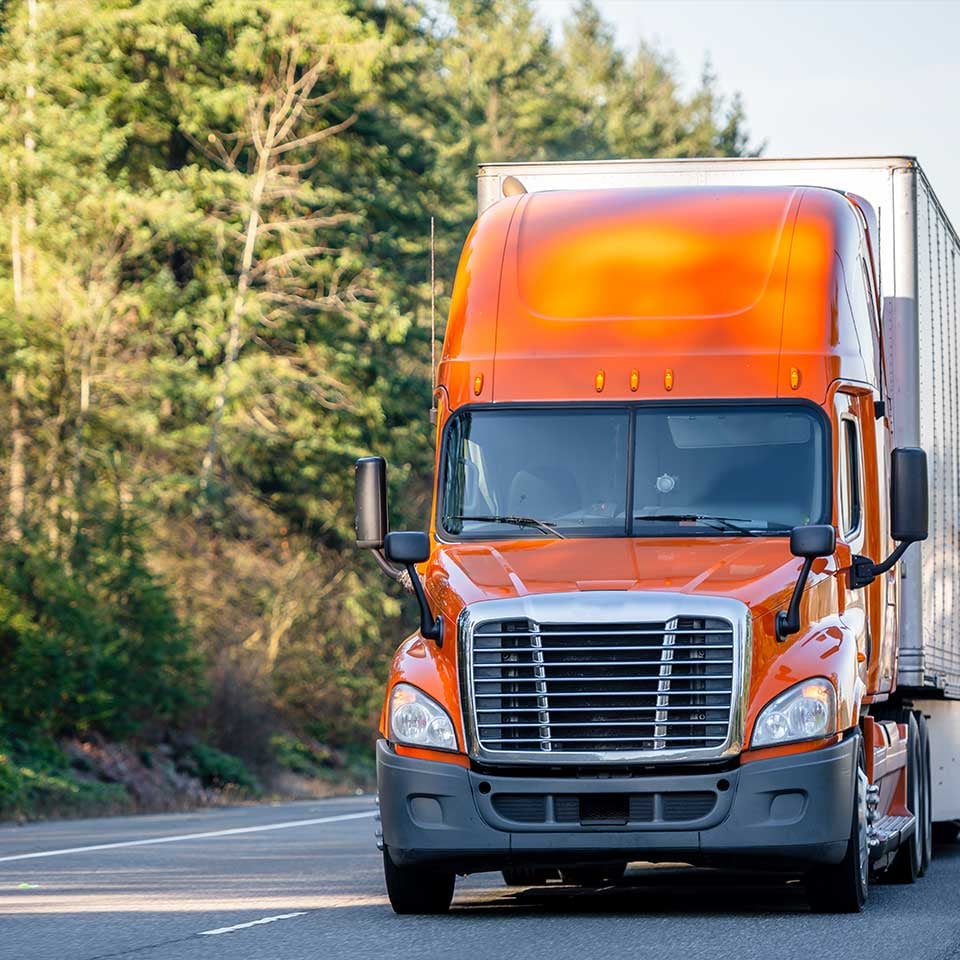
[[785, 812]]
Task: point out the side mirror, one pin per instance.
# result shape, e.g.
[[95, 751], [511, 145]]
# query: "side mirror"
[[810, 542], [818, 540], [404, 548], [371, 519], [909, 513], [909, 507], [408, 546]]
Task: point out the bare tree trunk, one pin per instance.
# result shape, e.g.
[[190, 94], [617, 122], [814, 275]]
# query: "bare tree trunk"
[[74, 480], [264, 155], [493, 121], [272, 119], [22, 267], [16, 474]]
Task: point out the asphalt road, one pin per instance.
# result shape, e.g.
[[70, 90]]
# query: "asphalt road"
[[312, 871]]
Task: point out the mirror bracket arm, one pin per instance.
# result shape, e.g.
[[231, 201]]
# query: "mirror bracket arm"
[[863, 571], [431, 627], [400, 574], [788, 621]]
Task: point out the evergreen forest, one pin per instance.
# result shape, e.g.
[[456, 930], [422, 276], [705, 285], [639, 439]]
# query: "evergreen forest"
[[215, 293]]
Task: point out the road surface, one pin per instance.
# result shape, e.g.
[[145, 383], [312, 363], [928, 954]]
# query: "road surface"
[[301, 881]]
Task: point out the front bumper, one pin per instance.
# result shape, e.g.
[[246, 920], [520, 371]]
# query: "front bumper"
[[784, 813]]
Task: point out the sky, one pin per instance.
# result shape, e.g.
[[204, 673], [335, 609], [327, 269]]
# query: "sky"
[[819, 77]]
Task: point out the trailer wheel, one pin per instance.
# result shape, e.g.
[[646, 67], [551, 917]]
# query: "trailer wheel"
[[842, 887], [907, 863], [926, 826], [528, 876], [416, 889]]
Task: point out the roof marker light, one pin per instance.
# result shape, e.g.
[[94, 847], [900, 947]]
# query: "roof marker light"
[[599, 380], [477, 384], [794, 378], [668, 379], [634, 380]]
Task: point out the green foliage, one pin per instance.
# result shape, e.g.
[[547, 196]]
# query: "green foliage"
[[214, 768], [36, 780], [309, 760], [214, 296], [92, 643]]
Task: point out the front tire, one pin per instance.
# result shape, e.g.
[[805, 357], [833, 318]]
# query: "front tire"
[[842, 887], [416, 889]]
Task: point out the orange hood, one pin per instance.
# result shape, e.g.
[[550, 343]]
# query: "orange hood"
[[759, 572]]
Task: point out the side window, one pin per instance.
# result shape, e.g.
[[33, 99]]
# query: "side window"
[[868, 291], [851, 505]]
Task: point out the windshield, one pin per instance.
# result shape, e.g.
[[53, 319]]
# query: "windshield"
[[654, 470]]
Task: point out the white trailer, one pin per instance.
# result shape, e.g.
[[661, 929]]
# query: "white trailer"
[[918, 260]]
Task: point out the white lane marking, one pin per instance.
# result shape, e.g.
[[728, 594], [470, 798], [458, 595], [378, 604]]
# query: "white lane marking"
[[252, 923], [234, 831]]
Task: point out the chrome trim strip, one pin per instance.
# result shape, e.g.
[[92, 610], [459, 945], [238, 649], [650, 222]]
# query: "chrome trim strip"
[[604, 607]]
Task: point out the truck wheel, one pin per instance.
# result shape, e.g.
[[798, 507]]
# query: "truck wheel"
[[842, 887], [596, 876], [528, 876], [907, 863], [926, 833], [417, 889]]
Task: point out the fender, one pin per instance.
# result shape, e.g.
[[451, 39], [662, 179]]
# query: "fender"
[[828, 648], [419, 663]]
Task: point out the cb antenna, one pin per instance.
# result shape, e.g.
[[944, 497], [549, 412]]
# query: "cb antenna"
[[433, 325]]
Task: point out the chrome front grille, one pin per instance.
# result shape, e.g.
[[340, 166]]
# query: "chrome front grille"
[[566, 691]]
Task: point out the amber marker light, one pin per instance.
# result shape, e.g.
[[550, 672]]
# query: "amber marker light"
[[634, 380], [816, 692], [599, 380], [668, 379], [794, 378], [477, 384]]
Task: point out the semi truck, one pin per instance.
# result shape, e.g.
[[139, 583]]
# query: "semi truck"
[[690, 586]]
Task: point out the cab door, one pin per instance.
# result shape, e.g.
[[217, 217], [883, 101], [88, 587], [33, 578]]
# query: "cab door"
[[862, 526]]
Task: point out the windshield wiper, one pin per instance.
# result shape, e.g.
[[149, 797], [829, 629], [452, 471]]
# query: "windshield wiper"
[[733, 524], [542, 525]]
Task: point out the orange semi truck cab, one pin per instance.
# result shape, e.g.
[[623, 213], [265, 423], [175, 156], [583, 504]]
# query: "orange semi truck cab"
[[668, 609]]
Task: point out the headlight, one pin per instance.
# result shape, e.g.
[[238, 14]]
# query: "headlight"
[[807, 711], [419, 721]]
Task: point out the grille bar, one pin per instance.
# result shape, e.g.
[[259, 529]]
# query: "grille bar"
[[537, 665], [594, 649], [571, 688], [595, 632], [542, 702], [612, 693], [511, 679], [606, 739], [605, 709], [619, 723]]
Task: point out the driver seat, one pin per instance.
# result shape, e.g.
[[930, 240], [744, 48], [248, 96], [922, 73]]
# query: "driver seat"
[[543, 492]]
